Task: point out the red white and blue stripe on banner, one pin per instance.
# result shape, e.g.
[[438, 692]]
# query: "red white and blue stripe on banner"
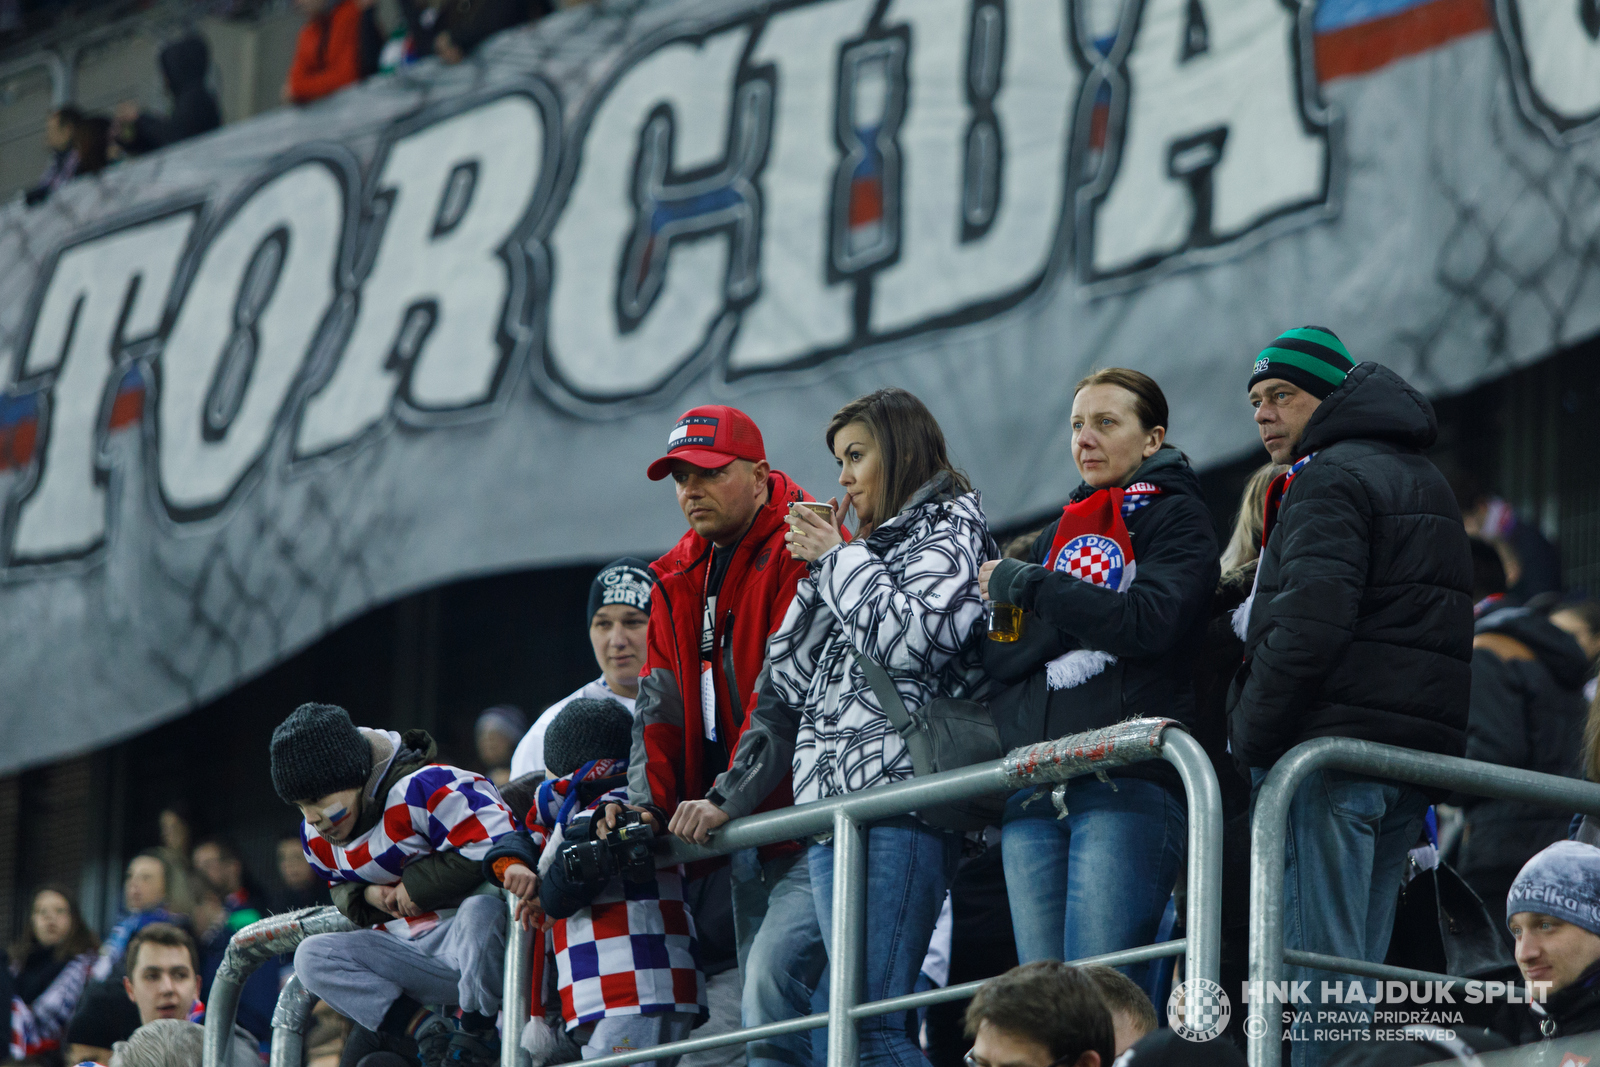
[[1360, 36], [19, 418], [1351, 37]]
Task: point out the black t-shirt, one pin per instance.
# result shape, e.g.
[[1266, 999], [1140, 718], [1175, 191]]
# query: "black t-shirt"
[[38, 971]]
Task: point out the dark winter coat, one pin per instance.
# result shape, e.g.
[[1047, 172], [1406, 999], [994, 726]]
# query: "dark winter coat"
[[437, 880], [1361, 623], [1154, 629], [1217, 661], [1573, 1010], [471, 22], [184, 64], [1528, 712]]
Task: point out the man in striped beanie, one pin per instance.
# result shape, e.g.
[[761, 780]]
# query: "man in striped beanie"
[[1296, 372], [1359, 626]]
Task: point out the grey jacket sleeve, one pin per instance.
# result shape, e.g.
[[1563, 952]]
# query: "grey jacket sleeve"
[[764, 756], [655, 760]]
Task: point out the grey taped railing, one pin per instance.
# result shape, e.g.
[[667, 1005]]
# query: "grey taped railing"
[[847, 819], [1269, 829], [249, 949]]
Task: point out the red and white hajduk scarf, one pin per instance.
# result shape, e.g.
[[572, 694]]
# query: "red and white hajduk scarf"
[[1093, 545], [1274, 501]]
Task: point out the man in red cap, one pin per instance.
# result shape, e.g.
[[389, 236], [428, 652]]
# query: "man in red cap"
[[720, 593]]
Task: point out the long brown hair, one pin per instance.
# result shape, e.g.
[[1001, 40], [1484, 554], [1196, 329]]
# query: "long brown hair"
[[79, 939], [912, 445], [1245, 544]]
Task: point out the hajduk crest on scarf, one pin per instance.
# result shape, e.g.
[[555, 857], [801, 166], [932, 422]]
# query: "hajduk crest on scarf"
[[1275, 494], [1093, 545]]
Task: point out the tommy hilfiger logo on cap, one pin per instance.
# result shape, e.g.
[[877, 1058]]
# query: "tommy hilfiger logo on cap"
[[693, 431], [710, 436]]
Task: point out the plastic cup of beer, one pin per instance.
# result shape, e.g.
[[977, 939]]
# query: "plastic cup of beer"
[[1005, 623]]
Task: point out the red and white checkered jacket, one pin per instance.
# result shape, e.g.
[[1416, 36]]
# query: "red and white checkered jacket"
[[630, 952], [435, 809]]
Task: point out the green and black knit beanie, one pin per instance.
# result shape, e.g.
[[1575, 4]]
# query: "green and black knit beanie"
[[317, 751], [1311, 357]]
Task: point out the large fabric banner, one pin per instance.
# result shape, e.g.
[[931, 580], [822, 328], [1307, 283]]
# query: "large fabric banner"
[[438, 324]]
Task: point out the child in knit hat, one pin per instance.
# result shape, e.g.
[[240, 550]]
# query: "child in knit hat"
[[627, 962], [402, 842], [1553, 912]]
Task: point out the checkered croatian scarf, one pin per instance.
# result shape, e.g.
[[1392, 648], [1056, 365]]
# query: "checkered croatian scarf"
[[1092, 544], [435, 809]]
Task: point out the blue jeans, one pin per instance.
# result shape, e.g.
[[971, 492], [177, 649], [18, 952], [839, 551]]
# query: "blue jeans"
[[1346, 851], [909, 869], [1099, 878], [781, 955]]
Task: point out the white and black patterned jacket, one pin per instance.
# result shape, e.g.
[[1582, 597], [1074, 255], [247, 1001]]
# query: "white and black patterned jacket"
[[907, 596]]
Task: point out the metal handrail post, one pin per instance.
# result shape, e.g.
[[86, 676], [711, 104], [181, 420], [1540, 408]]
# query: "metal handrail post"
[[247, 950], [1203, 914], [1269, 828], [516, 989], [291, 1019], [846, 955]]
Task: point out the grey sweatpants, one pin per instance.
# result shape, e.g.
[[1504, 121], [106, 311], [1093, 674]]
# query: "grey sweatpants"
[[362, 972], [625, 1033]]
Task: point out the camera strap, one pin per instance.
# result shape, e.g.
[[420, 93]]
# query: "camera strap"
[[571, 801]]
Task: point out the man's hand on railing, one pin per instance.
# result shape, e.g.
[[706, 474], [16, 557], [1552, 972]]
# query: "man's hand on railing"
[[695, 819], [523, 884]]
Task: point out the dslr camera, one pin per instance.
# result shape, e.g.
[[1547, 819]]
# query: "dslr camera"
[[626, 850]]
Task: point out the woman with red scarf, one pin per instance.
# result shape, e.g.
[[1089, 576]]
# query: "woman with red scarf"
[[1115, 604]]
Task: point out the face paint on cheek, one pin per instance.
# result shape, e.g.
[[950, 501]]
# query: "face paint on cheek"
[[335, 814]]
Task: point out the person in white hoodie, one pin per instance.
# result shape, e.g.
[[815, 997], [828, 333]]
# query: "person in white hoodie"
[[619, 623]]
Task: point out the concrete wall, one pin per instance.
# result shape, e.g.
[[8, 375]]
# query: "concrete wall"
[[249, 59]]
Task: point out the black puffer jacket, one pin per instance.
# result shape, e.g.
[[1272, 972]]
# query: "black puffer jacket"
[[184, 64], [1361, 624], [1528, 712], [1573, 1010], [1154, 629]]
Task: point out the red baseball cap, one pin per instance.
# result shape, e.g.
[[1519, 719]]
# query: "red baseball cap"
[[711, 436]]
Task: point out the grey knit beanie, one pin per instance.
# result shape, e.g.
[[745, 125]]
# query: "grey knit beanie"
[[587, 730], [1563, 881], [317, 751]]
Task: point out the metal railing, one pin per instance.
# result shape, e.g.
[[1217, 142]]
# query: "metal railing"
[[846, 818], [1269, 827], [249, 949]]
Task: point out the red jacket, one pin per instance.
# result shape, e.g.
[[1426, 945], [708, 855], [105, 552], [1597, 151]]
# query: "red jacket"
[[667, 766], [327, 57]]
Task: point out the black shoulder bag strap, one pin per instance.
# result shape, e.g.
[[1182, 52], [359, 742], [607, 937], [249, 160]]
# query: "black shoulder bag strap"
[[894, 709]]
